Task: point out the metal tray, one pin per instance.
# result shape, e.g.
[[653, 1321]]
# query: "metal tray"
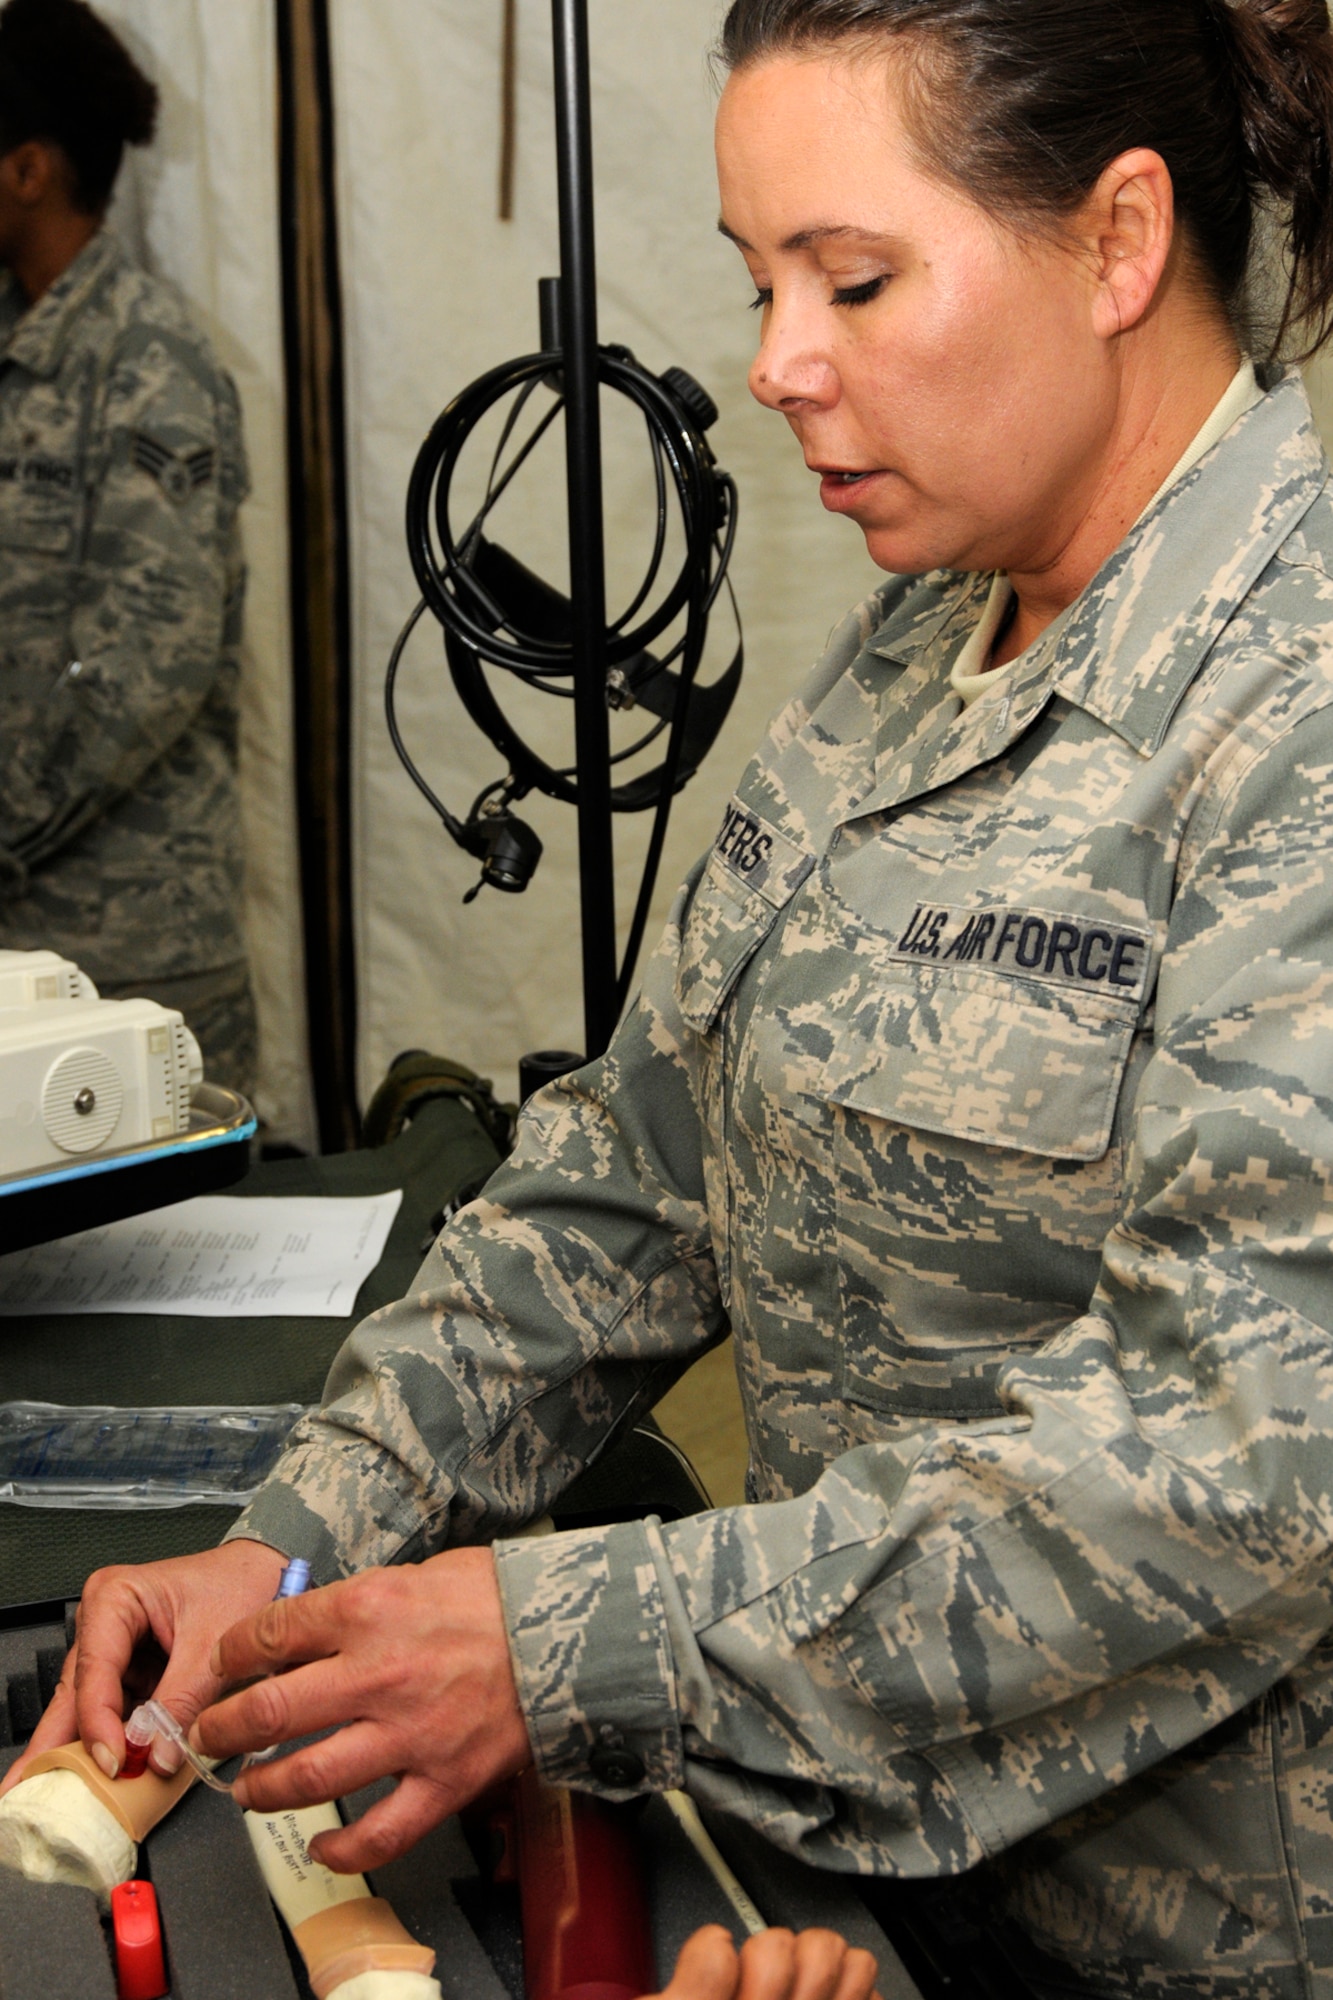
[[58, 1200]]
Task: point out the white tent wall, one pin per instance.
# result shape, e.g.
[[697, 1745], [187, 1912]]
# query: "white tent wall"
[[201, 208], [436, 291]]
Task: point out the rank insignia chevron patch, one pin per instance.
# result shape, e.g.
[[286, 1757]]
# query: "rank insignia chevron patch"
[[177, 476]]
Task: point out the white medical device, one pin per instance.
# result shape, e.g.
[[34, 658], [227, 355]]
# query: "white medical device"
[[104, 1111], [91, 1076], [29, 978]]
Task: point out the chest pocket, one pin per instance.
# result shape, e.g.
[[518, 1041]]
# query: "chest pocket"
[[752, 874], [41, 457], [38, 504], [995, 1061], [978, 1168]]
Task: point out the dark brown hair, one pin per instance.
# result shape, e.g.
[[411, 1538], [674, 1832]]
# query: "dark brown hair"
[[1024, 103], [65, 77]]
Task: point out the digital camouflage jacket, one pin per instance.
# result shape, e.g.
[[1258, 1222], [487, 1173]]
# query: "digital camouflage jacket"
[[121, 584], [983, 1083]]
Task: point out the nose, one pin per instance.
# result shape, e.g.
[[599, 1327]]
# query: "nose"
[[791, 372]]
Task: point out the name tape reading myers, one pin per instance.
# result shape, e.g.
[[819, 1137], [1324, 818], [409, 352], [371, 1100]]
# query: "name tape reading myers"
[[1073, 951]]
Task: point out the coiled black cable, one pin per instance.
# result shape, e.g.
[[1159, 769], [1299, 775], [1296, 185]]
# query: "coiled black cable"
[[498, 614]]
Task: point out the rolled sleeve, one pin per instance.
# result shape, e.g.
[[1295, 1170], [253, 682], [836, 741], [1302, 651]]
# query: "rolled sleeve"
[[588, 1635], [554, 1309]]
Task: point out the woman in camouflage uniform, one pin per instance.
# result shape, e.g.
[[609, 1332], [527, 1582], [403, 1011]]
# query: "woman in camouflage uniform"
[[981, 1085], [121, 581]]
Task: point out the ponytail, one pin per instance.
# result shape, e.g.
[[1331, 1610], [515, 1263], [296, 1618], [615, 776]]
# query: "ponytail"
[[1024, 103], [1281, 57]]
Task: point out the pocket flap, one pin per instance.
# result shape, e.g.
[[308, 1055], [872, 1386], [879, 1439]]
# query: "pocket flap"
[[722, 933], [1011, 1063], [752, 874], [37, 504]]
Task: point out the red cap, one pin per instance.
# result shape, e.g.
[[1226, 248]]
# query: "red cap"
[[140, 1971]]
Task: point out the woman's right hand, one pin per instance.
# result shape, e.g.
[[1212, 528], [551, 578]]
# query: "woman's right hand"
[[149, 1630], [775, 1965]]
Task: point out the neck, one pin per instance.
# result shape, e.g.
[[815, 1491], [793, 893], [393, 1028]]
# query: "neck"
[[1166, 390], [48, 250]]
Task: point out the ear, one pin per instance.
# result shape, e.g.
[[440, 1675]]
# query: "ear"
[[29, 172], [1129, 224]]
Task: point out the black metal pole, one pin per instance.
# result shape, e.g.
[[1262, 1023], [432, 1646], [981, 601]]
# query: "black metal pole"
[[587, 579]]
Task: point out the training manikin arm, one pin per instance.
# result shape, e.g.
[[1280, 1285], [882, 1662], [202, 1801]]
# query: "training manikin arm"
[[68, 1822]]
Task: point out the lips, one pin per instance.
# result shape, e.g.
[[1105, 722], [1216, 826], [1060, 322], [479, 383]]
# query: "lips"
[[840, 487]]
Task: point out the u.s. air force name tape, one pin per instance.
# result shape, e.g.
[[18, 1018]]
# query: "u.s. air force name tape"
[[1078, 951]]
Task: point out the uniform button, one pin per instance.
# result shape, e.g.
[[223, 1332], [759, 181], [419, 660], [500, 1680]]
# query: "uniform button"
[[613, 1763], [621, 1770]]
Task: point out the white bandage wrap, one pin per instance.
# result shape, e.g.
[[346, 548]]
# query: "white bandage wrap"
[[52, 1829], [388, 1986]]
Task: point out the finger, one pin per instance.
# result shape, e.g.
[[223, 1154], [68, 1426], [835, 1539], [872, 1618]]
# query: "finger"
[[768, 1966], [109, 1630], [185, 1690], [330, 1769], [707, 1967], [323, 1695], [388, 1829], [859, 1973], [820, 1957], [284, 1633]]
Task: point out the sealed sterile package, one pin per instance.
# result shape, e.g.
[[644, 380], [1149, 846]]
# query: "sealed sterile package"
[[59, 1455]]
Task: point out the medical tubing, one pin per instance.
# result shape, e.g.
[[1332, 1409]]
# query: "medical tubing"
[[453, 825], [657, 838]]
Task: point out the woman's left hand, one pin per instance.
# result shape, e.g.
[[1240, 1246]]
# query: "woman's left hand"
[[410, 1664]]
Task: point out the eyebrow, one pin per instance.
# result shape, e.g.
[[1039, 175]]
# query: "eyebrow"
[[822, 232]]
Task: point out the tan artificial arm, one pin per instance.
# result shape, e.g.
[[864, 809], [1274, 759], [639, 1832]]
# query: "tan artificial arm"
[[353, 1945], [68, 1822]]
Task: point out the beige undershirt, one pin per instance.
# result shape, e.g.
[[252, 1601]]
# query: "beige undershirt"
[[971, 677]]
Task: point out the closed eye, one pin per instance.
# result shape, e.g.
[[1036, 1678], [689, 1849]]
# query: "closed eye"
[[763, 297], [859, 295]]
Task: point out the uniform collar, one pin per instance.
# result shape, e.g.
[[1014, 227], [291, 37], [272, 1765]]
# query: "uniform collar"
[[40, 334], [1128, 648], [1138, 636]]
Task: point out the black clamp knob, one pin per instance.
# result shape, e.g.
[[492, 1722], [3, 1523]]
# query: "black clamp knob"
[[613, 1763], [692, 397]]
